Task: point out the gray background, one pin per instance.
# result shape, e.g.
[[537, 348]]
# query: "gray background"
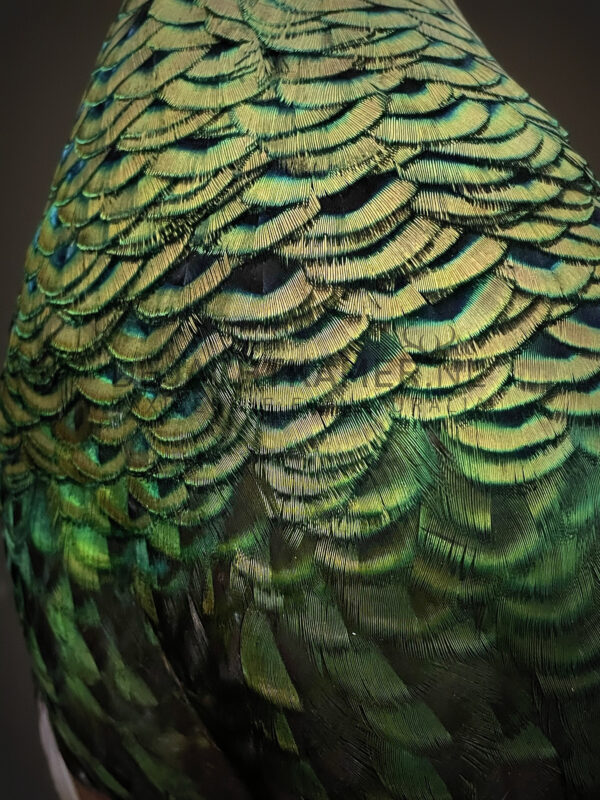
[[48, 48]]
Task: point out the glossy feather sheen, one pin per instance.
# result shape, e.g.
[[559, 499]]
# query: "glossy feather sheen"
[[299, 419]]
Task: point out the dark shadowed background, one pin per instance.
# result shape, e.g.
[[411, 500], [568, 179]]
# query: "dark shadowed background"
[[48, 47]]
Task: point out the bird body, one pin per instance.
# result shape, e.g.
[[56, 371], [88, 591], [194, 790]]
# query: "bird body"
[[299, 419]]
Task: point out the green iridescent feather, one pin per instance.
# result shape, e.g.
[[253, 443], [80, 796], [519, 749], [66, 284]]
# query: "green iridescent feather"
[[299, 420]]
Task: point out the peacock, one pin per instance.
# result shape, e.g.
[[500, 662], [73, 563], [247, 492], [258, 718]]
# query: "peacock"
[[299, 421]]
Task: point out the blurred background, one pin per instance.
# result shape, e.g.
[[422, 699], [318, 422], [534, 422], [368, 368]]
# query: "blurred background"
[[48, 50]]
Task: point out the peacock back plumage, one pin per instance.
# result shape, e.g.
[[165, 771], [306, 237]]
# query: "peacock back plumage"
[[299, 419]]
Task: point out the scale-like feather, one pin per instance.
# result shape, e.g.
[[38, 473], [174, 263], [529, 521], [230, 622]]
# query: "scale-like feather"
[[299, 419]]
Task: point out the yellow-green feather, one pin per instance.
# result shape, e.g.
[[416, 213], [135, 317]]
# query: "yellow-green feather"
[[299, 419]]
